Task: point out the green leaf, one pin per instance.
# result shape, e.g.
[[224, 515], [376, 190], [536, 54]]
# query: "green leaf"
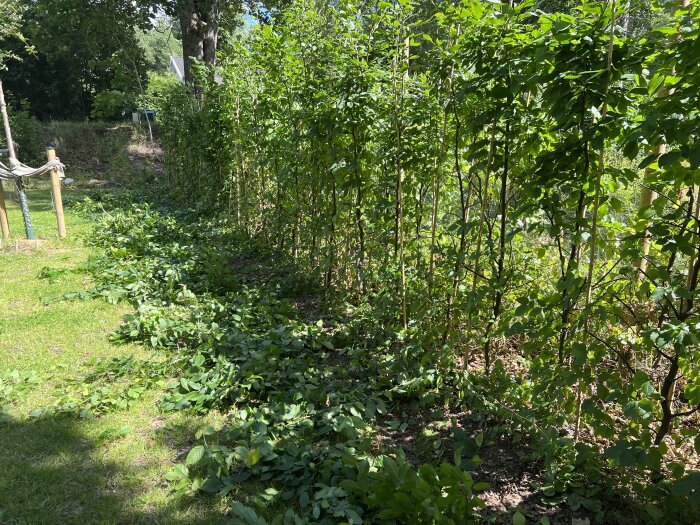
[[177, 473], [269, 493], [655, 512], [195, 455], [519, 518], [650, 159], [112, 434], [206, 431], [211, 485], [694, 157], [686, 485], [245, 515], [670, 158], [252, 457]]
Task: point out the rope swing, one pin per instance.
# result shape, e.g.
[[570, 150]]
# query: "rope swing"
[[16, 171]]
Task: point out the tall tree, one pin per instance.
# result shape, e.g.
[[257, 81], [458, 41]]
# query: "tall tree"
[[11, 16], [199, 22], [78, 50]]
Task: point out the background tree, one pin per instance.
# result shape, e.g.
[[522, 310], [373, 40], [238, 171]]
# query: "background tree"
[[200, 22], [160, 42], [11, 16], [78, 50]]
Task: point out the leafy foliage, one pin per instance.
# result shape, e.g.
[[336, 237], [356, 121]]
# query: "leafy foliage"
[[11, 14], [465, 173], [302, 395], [112, 105], [306, 398], [77, 50]]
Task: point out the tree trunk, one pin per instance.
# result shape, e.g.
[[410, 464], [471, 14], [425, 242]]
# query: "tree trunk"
[[199, 21], [500, 265], [600, 171]]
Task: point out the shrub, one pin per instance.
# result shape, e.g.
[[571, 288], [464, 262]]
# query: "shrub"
[[160, 87], [112, 105], [28, 135]]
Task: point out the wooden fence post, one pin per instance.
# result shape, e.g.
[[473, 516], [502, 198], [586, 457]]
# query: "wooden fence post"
[[4, 225], [56, 195], [19, 183], [10, 148]]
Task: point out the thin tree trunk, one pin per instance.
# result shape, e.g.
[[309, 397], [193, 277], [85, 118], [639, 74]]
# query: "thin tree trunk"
[[436, 185], [667, 390], [691, 263], [594, 213], [333, 248], [358, 212], [464, 202], [569, 297], [297, 218], [501, 247], [422, 193], [436, 201], [648, 196], [399, 238], [482, 218]]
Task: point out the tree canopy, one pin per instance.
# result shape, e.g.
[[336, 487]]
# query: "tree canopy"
[[77, 50], [11, 14]]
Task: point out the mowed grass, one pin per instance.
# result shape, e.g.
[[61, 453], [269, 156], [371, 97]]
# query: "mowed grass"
[[57, 469]]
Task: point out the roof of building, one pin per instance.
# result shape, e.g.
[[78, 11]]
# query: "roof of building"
[[177, 66]]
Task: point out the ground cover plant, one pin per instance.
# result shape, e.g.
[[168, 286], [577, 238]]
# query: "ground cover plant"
[[63, 468]]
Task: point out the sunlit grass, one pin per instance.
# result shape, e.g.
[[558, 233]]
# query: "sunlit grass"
[[60, 469]]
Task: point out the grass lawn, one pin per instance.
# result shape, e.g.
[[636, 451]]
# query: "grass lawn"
[[59, 469]]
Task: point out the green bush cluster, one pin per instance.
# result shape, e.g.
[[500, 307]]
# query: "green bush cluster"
[[112, 105], [29, 136], [300, 420], [516, 185]]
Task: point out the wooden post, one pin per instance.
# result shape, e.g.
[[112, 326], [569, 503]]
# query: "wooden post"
[[24, 205], [56, 195], [6, 124], [4, 225]]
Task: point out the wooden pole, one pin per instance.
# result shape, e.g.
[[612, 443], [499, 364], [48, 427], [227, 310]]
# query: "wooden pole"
[[24, 205], [56, 195], [4, 225], [6, 123]]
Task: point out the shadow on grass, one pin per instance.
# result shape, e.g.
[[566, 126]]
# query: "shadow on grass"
[[52, 474]]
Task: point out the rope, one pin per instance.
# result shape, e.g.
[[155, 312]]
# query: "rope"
[[17, 169]]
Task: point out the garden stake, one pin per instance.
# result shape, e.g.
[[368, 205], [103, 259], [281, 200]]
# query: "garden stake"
[[56, 195]]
